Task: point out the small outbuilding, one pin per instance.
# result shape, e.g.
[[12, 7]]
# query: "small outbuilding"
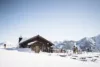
[[37, 44]]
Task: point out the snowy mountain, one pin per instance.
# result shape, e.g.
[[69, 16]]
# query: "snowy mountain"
[[97, 41], [90, 44], [1, 44], [85, 44], [67, 45]]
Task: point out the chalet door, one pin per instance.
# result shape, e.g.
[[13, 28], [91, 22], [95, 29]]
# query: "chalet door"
[[37, 49]]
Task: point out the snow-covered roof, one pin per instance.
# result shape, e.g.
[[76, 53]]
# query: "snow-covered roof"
[[35, 38], [23, 39], [32, 43]]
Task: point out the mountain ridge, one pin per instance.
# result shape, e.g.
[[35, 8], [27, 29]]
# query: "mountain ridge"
[[85, 44]]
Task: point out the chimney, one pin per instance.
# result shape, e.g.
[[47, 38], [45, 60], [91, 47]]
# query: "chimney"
[[20, 38]]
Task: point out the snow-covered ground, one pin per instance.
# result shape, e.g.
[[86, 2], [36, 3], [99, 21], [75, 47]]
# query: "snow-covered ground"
[[20, 58]]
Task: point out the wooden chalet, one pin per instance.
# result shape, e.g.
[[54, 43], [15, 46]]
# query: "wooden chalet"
[[37, 44]]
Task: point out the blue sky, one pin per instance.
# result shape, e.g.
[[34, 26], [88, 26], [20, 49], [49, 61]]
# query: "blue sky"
[[52, 19]]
